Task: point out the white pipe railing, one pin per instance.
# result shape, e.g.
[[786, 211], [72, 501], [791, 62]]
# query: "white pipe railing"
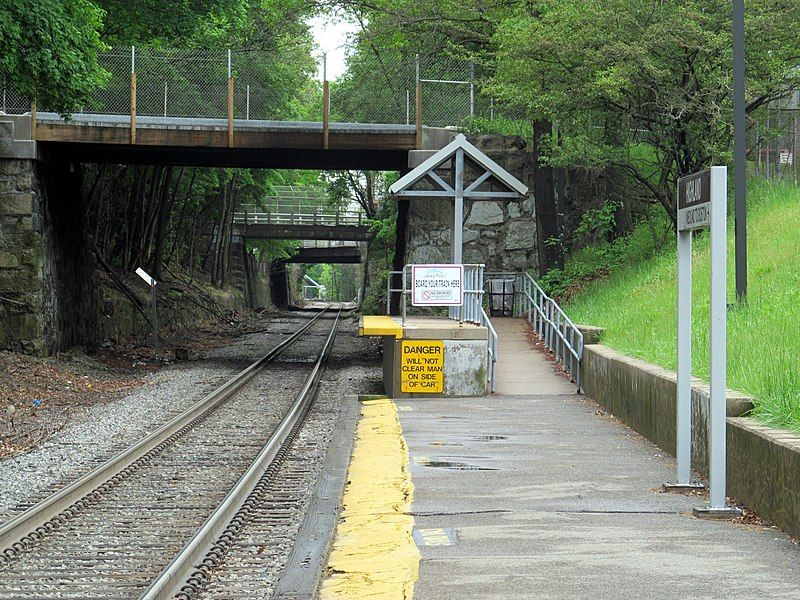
[[549, 322]]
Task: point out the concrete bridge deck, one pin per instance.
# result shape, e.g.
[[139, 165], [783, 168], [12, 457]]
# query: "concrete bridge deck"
[[204, 141]]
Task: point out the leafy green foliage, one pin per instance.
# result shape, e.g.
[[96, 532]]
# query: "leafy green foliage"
[[621, 73], [48, 50], [635, 300]]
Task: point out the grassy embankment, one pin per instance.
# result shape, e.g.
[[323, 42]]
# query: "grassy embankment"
[[635, 302]]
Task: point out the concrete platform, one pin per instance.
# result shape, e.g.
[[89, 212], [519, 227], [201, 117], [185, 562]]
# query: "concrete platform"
[[543, 496], [520, 369]]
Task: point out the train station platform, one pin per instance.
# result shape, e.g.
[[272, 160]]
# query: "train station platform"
[[537, 493]]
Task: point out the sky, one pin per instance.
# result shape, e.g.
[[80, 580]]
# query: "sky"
[[330, 34]]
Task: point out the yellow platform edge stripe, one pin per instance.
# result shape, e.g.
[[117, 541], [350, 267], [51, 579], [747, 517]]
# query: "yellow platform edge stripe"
[[370, 325], [374, 554]]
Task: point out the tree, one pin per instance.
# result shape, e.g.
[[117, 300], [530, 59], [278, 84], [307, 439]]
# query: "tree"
[[48, 51], [643, 86]]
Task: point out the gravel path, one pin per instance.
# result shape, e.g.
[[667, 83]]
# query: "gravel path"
[[95, 433]]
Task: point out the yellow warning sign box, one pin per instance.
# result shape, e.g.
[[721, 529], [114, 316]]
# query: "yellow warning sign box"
[[422, 366]]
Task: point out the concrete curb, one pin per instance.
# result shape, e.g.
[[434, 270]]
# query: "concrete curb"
[[763, 462]]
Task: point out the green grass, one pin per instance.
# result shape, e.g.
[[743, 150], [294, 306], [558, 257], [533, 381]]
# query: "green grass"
[[635, 302]]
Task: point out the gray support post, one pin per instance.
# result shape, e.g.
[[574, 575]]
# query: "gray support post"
[[719, 210], [472, 89], [683, 425], [458, 216], [155, 318], [408, 107], [247, 109], [739, 150], [165, 98]]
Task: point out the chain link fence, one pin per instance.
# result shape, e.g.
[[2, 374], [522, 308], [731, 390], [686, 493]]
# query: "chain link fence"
[[774, 143], [194, 84]]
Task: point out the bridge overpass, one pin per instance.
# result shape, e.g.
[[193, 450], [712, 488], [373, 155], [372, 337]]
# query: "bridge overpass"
[[207, 142]]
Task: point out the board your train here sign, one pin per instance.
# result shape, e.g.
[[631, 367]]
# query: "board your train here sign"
[[437, 285]]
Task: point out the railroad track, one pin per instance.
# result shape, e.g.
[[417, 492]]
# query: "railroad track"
[[156, 520]]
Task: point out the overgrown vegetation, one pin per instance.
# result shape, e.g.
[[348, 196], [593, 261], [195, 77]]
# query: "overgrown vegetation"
[[629, 287]]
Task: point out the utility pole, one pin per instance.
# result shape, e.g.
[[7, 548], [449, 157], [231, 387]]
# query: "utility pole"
[[739, 149]]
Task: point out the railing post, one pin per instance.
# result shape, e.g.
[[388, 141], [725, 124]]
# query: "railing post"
[[247, 106], [230, 102], [326, 104], [165, 98], [133, 94], [33, 119], [419, 107]]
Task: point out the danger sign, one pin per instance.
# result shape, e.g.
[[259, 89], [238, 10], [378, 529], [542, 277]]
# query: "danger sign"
[[422, 366]]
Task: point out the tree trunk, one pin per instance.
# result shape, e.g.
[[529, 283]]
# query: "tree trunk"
[[545, 201]]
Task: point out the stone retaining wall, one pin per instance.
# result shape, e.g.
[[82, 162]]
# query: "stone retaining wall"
[[763, 463], [21, 258]]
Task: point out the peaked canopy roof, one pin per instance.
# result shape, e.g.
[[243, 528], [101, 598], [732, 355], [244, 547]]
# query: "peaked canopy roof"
[[494, 174]]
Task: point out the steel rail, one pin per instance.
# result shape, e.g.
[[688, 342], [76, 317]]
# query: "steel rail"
[[31, 525], [184, 565]]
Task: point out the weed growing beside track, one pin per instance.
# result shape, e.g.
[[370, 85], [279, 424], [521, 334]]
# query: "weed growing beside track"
[[635, 302]]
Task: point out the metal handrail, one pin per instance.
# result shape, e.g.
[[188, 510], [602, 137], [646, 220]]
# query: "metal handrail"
[[549, 322]]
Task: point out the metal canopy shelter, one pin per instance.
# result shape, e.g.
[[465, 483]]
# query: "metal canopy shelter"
[[458, 171]]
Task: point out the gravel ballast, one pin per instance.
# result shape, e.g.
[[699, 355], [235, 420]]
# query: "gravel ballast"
[[97, 432]]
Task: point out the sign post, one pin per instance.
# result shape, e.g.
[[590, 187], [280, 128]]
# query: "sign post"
[[702, 203], [152, 283]]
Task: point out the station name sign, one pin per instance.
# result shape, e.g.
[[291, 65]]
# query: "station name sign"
[[437, 285], [694, 201]]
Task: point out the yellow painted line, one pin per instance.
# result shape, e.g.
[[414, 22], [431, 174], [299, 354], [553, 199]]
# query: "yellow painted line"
[[380, 325], [374, 554]]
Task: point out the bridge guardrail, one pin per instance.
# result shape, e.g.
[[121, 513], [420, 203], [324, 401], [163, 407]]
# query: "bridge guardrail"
[[318, 218], [434, 89]]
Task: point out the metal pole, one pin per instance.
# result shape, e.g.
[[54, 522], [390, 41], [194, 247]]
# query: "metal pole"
[[683, 424], [472, 89], [155, 318], [408, 107], [165, 98], [458, 216], [247, 110], [5, 107], [719, 209], [739, 149]]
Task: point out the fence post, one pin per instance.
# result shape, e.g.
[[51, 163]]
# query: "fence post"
[[165, 98], [419, 107], [247, 109], [5, 106], [408, 106], [326, 104], [472, 89], [795, 147], [230, 102], [133, 94], [33, 119]]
